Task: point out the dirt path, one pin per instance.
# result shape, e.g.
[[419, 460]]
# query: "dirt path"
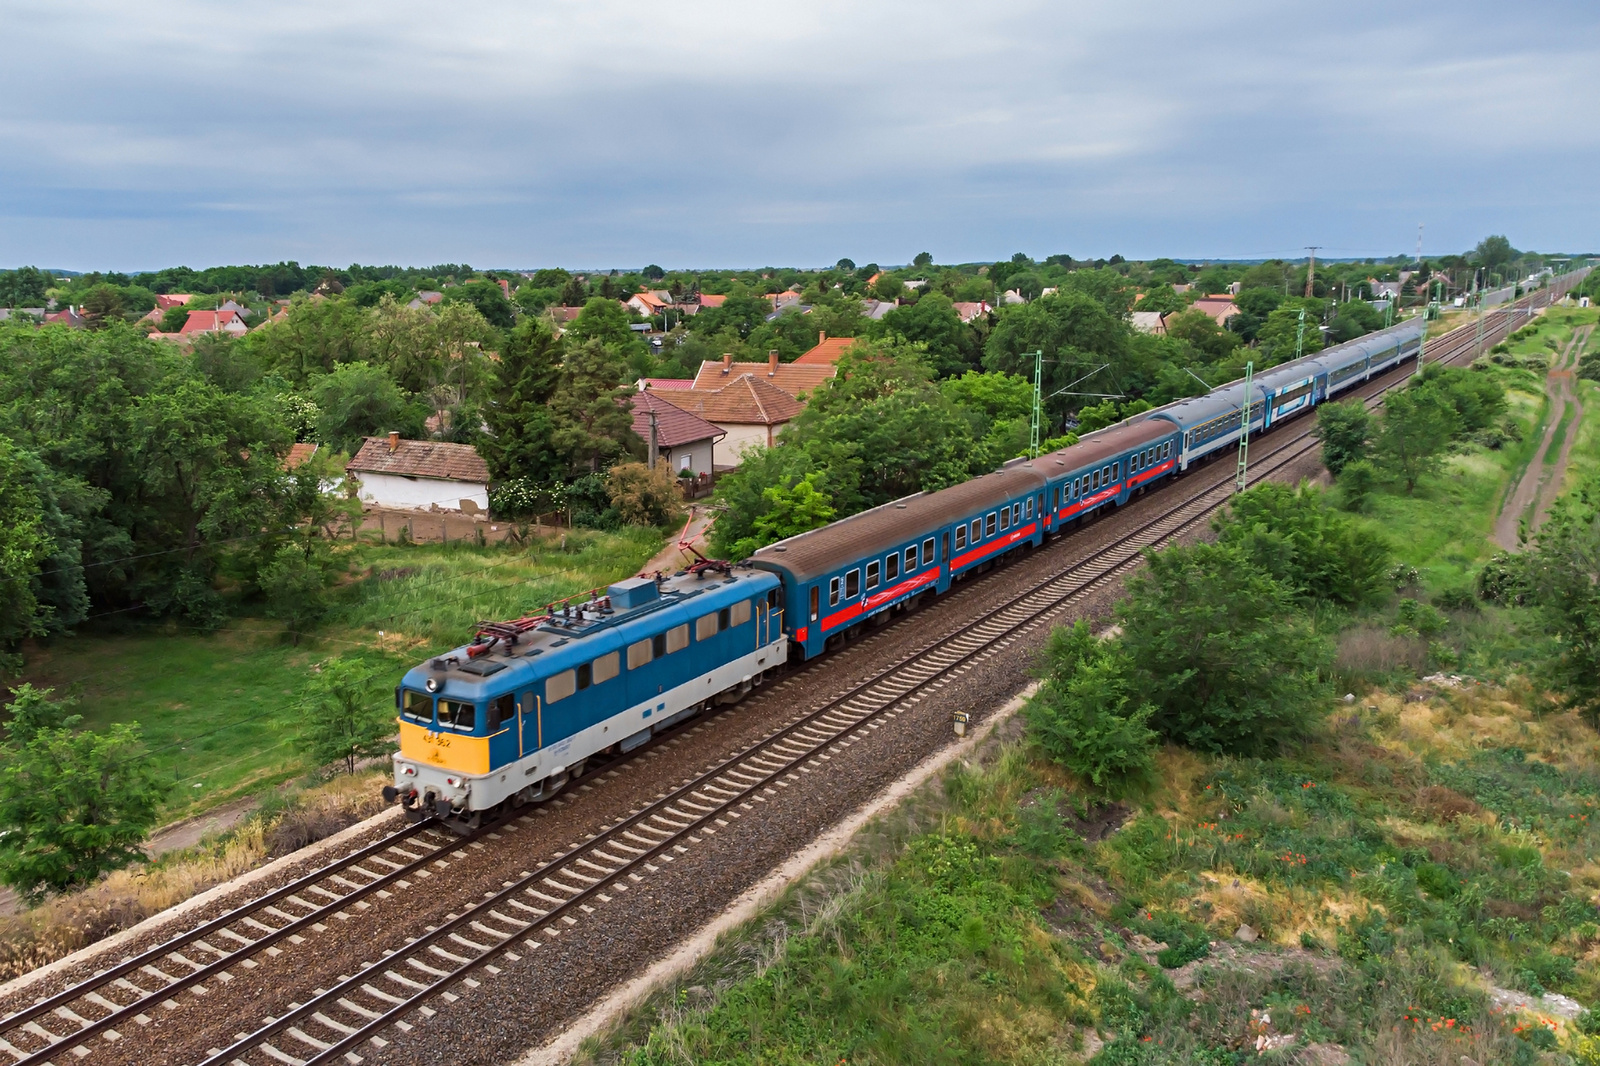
[[1540, 483], [672, 558]]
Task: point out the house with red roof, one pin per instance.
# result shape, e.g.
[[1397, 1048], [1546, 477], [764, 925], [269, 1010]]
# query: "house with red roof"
[[421, 475], [648, 303], [749, 409], [793, 378], [1220, 308], [971, 310], [827, 351], [709, 299], [214, 322], [67, 316], [172, 299], [686, 441]]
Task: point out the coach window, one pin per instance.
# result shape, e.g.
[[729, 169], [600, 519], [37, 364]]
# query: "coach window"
[[927, 552], [641, 652], [852, 584], [418, 707], [891, 566], [833, 592], [988, 524], [961, 537], [606, 667], [1016, 514], [816, 595], [1116, 471], [872, 574], [502, 709], [739, 613], [1005, 518], [677, 638], [1092, 482], [911, 559], [977, 530], [457, 715], [1055, 497]]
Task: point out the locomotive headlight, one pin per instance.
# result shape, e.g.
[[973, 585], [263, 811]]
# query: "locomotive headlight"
[[409, 771], [432, 684]]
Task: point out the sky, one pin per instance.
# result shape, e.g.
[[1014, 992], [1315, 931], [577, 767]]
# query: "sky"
[[596, 134]]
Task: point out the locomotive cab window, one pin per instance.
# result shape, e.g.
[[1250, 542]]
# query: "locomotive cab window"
[[927, 552], [891, 566], [852, 584], [502, 709], [418, 707], [872, 574], [458, 715], [833, 592], [961, 537], [911, 559], [739, 613]]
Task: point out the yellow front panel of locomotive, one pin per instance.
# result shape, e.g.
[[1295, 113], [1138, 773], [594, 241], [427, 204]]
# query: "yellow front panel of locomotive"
[[448, 751]]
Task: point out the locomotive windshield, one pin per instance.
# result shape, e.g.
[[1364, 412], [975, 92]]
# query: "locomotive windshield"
[[454, 714], [417, 706]]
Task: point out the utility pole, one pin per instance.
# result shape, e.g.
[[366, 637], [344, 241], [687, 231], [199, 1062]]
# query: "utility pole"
[[1244, 427], [1419, 244], [1477, 292], [655, 438], [1038, 404], [1311, 270], [1299, 342], [1422, 342]]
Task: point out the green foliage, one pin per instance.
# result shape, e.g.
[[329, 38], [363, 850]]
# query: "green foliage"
[[644, 497], [343, 714], [592, 428], [1562, 577], [1075, 330], [24, 545], [73, 804], [1345, 430], [1478, 399], [1283, 334], [1199, 329], [1218, 647], [1291, 534], [1417, 426], [1086, 715], [952, 345], [357, 401], [790, 510], [295, 584], [486, 297], [518, 442], [1357, 483]]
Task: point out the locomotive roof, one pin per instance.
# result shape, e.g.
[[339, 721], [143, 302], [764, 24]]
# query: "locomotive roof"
[[823, 551], [564, 643]]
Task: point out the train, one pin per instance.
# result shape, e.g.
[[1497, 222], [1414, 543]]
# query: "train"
[[514, 715]]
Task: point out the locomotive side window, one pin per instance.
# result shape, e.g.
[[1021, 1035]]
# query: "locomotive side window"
[[677, 638], [891, 566], [739, 613], [454, 714], [418, 707], [641, 652], [961, 537], [815, 595], [988, 524], [1005, 518], [872, 574], [911, 559], [927, 552], [501, 710], [724, 618], [833, 592], [772, 599], [585, 676], [852, 584], [705, 627], [606, 667]]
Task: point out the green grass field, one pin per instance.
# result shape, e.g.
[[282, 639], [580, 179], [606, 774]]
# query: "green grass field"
[[212, 705]]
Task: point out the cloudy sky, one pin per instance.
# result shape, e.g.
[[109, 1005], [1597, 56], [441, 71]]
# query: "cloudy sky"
[[601, 133]]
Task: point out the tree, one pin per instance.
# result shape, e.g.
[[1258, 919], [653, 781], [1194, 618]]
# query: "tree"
[[1077, 335], [642, 496], [1086, 717], [404, 341], [923, 260], [1495, 252], [1346, 430], [791, 510], [1201, 330], [888, 287], [653, 273], [1357, 482], [573, 292], [487, 297], [845, 266], [518, 442], [1563, 578], [605, 321], [343, 715], [1416, 428], [592, 425], [1291, 534], [102, 305], [932, 321], [1282, 332], [1218, 647], [296, 586], [1478, 399], [24, 545], [73, 804], [357, 401], [741, 495]]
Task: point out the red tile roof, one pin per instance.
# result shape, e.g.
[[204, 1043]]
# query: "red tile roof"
[[827, 351], [712, 300], [174, 299], [562, 315], [747, 400], [790, 377], [668, 384], [674, 425], [969, 311], [298, 453], [421, 458], [210, 321]]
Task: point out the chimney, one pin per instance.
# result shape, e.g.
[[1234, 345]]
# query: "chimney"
[[822, 335], [394, 442], [772, 363], [727, 362]]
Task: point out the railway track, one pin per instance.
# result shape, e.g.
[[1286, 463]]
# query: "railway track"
[[535, 910]]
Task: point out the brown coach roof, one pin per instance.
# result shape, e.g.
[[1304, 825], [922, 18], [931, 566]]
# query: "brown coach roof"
[[420, 458]]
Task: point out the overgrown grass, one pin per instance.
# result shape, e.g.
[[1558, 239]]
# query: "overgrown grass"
[[212, 705]]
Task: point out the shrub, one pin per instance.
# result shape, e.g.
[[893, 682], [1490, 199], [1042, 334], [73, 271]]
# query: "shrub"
[[644, 497], [1085, 716], [1297, 539]]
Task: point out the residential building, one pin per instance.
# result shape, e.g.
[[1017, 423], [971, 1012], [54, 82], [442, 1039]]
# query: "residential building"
[[876, 309], [686, 441], [827, 351], [782, 300], [12, 314], [665, 384], [648, 303], [172, 299], [969, 311], [299, 453], [1149, 321], [709, 299], [214, 322], [562, 317], [749, 409], [68, 316], [237, 308], [425, 475], [1220, 308], [792, 378]]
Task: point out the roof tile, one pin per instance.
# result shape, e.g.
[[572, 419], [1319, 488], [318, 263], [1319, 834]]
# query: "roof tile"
[[421, 458]]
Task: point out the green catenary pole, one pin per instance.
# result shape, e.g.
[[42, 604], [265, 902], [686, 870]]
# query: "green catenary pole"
[[1244, 428], [1038, 406]]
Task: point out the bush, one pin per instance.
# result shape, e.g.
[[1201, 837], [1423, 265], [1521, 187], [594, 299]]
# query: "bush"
[[1357, 484], [644, 497], [1085, 718], [1346, 431], [295, 584], [1297, 539]]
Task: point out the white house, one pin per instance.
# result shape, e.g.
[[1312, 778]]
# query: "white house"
[[421, 475]]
